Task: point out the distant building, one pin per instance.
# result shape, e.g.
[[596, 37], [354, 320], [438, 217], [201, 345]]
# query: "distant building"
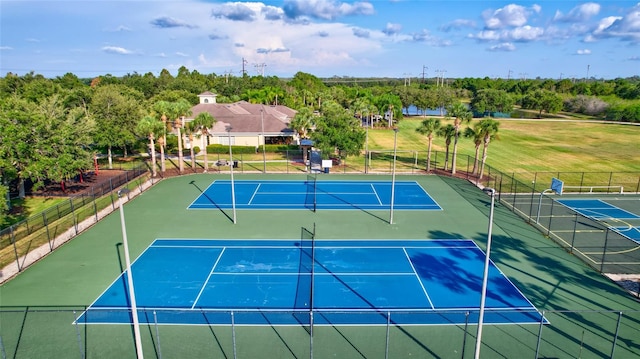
[[251, 124]]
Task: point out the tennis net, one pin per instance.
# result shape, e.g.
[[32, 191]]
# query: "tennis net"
[[310, 199]]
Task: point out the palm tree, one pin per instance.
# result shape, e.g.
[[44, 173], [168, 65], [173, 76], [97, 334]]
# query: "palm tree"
[[302, 122], [151, 127], [488, 127], [162, 108], [429, 128], [461, 114], [178, 110], [189, 130], [448, 132], [204, 121], [477, 136]]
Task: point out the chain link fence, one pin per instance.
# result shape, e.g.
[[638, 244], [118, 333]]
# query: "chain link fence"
[[50, 228]]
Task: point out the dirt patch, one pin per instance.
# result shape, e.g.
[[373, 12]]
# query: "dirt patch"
[[77, 186]]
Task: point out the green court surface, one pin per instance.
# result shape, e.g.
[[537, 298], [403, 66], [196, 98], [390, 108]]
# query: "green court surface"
[[589, 316]]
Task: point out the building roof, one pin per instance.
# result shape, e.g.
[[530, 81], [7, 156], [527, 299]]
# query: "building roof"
[[243, 116]]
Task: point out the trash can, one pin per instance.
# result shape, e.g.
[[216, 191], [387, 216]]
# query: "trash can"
[[326, 170], [235, 164]]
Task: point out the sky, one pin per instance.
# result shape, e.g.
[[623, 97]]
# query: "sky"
[[410, 39]]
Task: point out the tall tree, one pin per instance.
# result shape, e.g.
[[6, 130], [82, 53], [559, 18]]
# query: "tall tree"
[[303, 122], [152, 128], [116, 113], [204, 121], [177, 111], [429, 128], [476, 136], [543, 100], [460, 115], [448, 132], [337, 131], [489, 128], [489, 101], [162, 108]]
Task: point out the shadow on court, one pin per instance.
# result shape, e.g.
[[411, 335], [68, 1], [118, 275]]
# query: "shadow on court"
[[203, 193]]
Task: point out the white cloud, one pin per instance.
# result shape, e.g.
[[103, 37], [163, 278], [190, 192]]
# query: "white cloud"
[[583, 52], [392, 29], [425, 37], [325, 9], [116, 50], [510, 15], [457, 24], [519, 34], [505, 46], [580, 13], [6, 48], [626, 27]]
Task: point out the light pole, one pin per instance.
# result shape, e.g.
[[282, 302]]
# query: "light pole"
[[485, 276], [132, 296], [264, 156], [393, 173], [233, 193]]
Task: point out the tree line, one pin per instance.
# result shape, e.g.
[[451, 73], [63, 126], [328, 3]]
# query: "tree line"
[[51, 129]]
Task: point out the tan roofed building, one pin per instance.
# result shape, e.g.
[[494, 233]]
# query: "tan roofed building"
[[251, 124]]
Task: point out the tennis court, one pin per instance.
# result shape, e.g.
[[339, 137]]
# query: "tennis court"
[[279, 282], [618, 219], [312, 195]]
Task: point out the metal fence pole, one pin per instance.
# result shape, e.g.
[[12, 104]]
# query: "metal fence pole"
[[604, 250], [46, 226], [15, 248], [615, 337], [78, 336], [464, 337], [233, 336], [386, 346], [155, 320], [539, 335]]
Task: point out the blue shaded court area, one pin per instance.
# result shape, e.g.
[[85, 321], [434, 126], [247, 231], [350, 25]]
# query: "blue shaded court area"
[[369, 195], [282, 282]]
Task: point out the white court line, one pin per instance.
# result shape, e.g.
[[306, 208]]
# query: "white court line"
[[204, 285], [376, 193], [418, 278], [255, 192]]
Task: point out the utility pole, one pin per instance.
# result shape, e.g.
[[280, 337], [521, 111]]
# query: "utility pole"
[[588, 67], [260, 68], [509, 74], [424, 72], [244, 62], [407, 78], [441, 72]]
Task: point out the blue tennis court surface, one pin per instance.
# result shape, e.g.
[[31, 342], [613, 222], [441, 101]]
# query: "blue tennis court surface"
[[369, 195], [280, 282], [597, 209], [630, 232]]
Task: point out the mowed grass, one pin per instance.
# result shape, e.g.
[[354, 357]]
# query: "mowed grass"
[[535, 145]]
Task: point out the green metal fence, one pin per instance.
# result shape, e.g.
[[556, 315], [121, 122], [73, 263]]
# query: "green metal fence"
[[30, 332], [20, 239]]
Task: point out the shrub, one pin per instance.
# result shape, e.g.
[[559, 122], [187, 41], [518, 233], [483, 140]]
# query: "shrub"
[[217, 148]]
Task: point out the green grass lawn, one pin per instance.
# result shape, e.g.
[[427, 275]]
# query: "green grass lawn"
[[536, 145]]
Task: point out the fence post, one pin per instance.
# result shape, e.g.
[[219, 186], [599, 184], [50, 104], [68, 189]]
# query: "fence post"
[[539, 335], [73, 213], [615, 337], [95, 208], [604, 251], [15, 248], [46, 226]]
